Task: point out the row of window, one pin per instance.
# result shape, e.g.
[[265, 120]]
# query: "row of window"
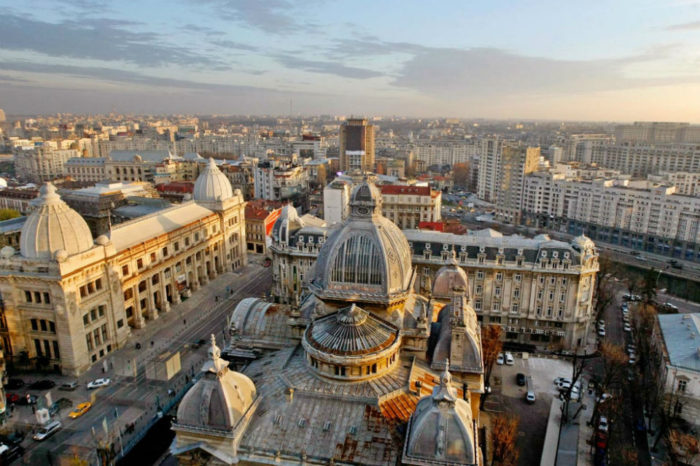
[[97, 337], [90, 288], [43, 348], [43, 325], [37, 297], [94, 314]]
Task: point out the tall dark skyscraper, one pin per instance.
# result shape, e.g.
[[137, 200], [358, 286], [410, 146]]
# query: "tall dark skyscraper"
[[356, 145]]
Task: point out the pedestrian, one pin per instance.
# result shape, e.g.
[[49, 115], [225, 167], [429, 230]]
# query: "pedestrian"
[[184, 321], [151, 343]]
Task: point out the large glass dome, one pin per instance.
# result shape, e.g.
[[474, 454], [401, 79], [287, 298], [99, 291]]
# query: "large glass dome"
[[367, 258]]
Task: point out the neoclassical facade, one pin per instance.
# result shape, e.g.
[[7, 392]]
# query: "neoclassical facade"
[[363, 370], [538, 289], [70, 300]]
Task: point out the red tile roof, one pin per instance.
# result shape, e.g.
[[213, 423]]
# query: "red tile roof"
[[411, 190]]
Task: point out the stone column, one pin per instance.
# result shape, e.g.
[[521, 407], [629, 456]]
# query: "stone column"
[[139, 321], [152, 311], [161, 280], [173, 283]]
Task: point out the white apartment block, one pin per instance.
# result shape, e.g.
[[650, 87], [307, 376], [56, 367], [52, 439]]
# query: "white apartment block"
[[489, 152], [642, 159], [336, 201], [656, 219], [279, 182], [42, 164], [445, 152]]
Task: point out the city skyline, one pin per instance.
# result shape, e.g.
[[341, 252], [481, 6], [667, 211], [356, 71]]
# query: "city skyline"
[[627, 61]]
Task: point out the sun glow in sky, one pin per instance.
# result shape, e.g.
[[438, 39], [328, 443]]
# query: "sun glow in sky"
[[596, 60]]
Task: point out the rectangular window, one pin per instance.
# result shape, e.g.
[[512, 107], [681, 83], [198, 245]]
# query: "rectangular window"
[[165, 252], [516, 293], [682, 385], [104, 332], [479, 275], [88, 340], [93, 315], [176, 246], [42, 324], [47, 298], [52, 327], [47, 348], [514, 308], [125, 270], [37, 347], [497, 291], [139, 263], [187, 242], [120, 323], [86, 319], [98, 284], [477, 305], [35, 327], [96, 336], [128, 294], [56, 352], [28, 296], [37, 297], [499, 276], [153, 257], [101, 310], [517, 277]]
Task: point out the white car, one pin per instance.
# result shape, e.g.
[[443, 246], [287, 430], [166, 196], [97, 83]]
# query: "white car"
[[499, 359], [627, 327], [97, 383], [633, 358], [509, 358], [559, 380], [601, 323], [601, 332], [603, 397], [47, 431], [603, 424]]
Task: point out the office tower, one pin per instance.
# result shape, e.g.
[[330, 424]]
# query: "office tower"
[[356, 145]]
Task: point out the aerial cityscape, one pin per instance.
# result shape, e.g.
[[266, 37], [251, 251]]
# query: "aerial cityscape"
[[388, 233]]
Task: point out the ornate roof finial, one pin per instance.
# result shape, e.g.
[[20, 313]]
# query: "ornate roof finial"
[[446, 377]]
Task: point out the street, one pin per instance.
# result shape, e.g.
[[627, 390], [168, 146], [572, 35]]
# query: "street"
[[137, 399]]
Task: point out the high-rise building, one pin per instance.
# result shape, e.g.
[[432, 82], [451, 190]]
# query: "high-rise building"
[[356, 145], [516, 162]]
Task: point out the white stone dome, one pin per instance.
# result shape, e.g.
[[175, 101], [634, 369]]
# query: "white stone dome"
[[219, 399], [365, 259], [441, 430], [449, 278], [53, 226], [212, 185]]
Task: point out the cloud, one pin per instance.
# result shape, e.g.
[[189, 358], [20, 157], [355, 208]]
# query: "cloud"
[[272, 16], [203, 29], [119, 76], [325, 67], [447, 72], [692, 26], [370, 46], [230, 44], [101, 39]]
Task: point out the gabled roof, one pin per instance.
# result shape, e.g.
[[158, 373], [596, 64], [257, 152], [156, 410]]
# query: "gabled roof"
[[681, 334]]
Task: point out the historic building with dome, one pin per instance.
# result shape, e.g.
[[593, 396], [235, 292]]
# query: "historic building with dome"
[[363, 370], [70, 299], [540, 290]]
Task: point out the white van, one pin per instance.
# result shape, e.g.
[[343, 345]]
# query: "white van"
[[530, 395], [47, 431]]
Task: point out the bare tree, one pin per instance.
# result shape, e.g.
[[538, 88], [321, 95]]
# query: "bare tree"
[[579, 363], [504, 432], [614, 362], [491, 345], [684, 447]]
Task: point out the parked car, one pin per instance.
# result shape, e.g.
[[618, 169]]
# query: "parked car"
[[559, 380], [499, 359], [601, 323], [79, 410], [632, 358], [520, 379], [9, 453], [14, 438], [530, 394], [509, 359], [61, 403], [601, 332], [14, 384], [627, 327], [604, 397], [97, 383], [603, 424], [68, 386], [45, 384], [47, 431]]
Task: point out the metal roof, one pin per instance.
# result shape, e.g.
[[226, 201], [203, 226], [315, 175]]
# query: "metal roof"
[[682, 337]]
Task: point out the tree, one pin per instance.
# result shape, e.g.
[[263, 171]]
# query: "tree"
[[614, 362], [504, 432], [684, 447], [491, 344], [649, 281], [579, 363], [604, 287], [6, 214], [460, 174]]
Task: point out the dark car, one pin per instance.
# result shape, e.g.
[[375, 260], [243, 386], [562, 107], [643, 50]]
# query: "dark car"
[[12, 397], [14, 384], [9, 453], [58, 405], [15, 438], [520, 379], [45, 384]]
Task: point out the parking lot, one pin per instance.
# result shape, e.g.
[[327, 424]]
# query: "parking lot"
[[510, 398]]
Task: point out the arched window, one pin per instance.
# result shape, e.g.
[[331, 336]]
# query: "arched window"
[[358, 261]]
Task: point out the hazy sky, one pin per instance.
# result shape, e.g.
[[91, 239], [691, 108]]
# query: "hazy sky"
[[594, 60]]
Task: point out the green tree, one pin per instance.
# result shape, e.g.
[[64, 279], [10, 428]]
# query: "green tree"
[[6, 214]]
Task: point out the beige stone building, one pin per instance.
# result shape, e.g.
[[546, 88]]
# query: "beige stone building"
[[408, 206], [69, 301], [43, 164], [339, 374], [539, 290]]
